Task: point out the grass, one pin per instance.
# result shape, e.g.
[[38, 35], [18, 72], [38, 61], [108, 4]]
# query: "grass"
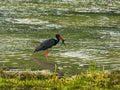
[[93, 79]]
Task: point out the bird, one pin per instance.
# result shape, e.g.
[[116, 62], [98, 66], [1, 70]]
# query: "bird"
[[45, 45]]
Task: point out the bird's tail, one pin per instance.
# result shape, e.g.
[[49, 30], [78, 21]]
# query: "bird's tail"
[[37, 49]]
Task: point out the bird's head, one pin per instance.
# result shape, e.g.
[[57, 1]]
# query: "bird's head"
[[60, 37]]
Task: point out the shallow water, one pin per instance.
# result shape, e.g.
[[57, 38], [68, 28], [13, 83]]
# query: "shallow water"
[[91, 30]]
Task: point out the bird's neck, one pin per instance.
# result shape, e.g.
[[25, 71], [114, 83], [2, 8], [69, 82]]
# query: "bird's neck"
[[56, 41]]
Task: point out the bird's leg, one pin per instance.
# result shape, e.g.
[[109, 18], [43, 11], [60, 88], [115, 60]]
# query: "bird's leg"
[[46, 54]]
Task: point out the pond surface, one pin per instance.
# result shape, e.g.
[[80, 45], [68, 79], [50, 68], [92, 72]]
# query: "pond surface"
[[91, 31]]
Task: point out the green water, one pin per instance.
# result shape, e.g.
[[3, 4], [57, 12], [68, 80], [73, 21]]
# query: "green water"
[[91, 31]]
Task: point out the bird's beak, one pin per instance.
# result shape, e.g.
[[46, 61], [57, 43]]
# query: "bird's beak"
[[62, 40]]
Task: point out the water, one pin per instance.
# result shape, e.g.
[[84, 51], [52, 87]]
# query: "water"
[[91, 31]]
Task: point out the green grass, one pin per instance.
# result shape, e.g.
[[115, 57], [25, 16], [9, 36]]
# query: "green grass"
[[93, 79]]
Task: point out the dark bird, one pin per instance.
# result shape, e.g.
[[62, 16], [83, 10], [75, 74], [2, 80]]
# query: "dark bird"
[[45, 45]]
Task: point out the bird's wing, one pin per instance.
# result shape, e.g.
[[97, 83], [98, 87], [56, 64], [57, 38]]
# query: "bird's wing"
[[47, 44]]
